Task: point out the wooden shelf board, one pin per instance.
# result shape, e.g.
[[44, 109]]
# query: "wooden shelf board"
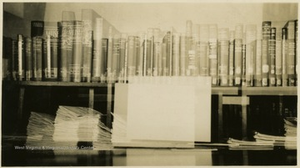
[[225, 90], [58, 83], [276, 91]]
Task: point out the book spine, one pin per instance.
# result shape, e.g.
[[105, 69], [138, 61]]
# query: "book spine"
[[140, 56], [46, 59], [291, 57], [223, 55], [131, 55], [266, 35], [109, 55], [175, 54], [28, 52], [250, 54], [164, 59], [67, 31], [278, 61], [21, 60], [98, 60], [122, 56], [272, 55], [54, 57], [104, 54], [136, 54], [204, 50], [284, 52], [196, 46], [183, 55], [231, 58], [14, 61], [87, 40], [244, 59], [156, 52], [115, 56], [258, 67], [213, 51], [38, 59], [76, 65], [238, 46]]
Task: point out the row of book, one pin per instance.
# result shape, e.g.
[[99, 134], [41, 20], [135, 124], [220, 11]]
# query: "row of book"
[[93, 50]]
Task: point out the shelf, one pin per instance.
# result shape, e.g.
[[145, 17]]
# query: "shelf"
[[60, 84], [225, 90], [270, 91]]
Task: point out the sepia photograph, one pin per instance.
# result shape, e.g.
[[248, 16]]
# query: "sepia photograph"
[[149, 83]]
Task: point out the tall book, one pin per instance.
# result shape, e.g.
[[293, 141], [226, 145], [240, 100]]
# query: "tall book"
[[51, 29], [7, 58], [272, 57], [244, 60], [166, 57], [238, 44], [66, 49], [76, 64], [213, 51], [258, 63], [190, 52], [176, 54], [131, 56], [37, 58], [231, 58], [290, 57], [278, 57], [14, 60], [150, 51], [46, 59], [115, 57], [28, 53], [88, 19], [104, 54], [156, 52], [284, 52], [140, 56], [137, 53], [204, 49], [183, 54], [266, 35], [123, 40], [223, 55], [250, 54], [21, 58]]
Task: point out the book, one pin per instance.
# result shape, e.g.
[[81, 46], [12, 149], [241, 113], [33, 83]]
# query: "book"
[[28, 53], [272, 56], [51, 29], [131, 55], [290, 55], [266, 35], [46, 58], [258, 61], [176, 54], [76, 63], [14, 60], [296, 56], [250, 54], [244, 60], [21, 58], [183, 57], [88, 21], [123, 41], [37, 58], [213, 51], [238, 44], [223, 55], [157, 52], [66, 49], [115, 57], [284, 52], [137, 53], [140, 56], [7, 57], [104, 54], [278, 61], [231, 58]]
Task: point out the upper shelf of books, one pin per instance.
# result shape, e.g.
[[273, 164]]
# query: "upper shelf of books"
[[236, 44]]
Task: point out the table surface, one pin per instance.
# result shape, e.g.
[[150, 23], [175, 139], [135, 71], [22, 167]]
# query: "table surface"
[[198, 156]]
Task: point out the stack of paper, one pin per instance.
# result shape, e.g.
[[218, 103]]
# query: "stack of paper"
[[162, 112], [70, 126], [290, 125], [40, 129]]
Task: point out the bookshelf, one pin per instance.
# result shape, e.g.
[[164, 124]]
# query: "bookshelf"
[[163, 15]]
